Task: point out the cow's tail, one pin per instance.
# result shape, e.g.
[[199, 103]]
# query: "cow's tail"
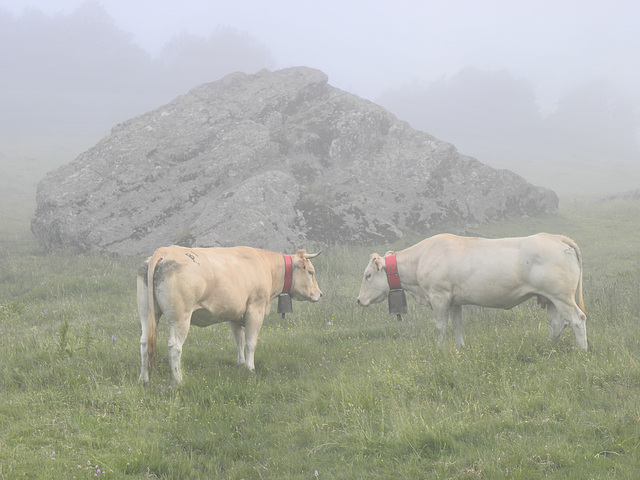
[[152, 326], [579, 298]]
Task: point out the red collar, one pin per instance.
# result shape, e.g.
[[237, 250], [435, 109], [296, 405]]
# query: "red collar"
[[288, 273], [392, 272]]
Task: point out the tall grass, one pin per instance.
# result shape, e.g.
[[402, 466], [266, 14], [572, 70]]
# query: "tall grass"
[[339, 391]]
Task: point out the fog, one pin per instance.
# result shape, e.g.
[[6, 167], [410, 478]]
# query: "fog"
[[546, 89], [80, 73]]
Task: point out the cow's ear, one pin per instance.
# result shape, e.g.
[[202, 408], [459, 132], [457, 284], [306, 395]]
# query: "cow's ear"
[[298, 259], [377, 261]]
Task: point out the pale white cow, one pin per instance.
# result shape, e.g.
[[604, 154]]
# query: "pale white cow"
[[446, 272], [203, 286]]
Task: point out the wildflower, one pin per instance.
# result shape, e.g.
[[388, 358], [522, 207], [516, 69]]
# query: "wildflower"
[[316, 473]]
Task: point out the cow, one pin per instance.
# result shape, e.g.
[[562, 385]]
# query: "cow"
[[204, 286], [447, 271]]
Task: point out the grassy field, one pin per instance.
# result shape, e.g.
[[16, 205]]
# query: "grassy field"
[[340, 392]]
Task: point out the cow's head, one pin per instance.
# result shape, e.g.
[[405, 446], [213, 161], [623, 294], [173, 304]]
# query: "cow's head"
[[304, 285], [375, 287]]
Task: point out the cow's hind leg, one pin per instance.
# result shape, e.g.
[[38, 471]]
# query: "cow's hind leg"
[[143, 312], [144, 348], [579, 324], [577, 319], [238, 334], [178, 331], [456, 323]]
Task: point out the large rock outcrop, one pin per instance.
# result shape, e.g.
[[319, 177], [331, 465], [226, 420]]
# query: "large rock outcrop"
[[274, 160]]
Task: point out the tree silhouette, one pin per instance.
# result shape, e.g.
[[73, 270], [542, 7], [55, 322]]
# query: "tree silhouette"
[[80, 73]]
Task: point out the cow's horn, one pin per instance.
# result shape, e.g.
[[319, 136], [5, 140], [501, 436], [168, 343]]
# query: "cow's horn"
[[312, 255]]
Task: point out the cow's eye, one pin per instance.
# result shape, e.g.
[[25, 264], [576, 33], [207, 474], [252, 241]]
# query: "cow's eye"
[[367, 276]]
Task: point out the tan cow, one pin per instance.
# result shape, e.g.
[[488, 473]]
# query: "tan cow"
[[203, 286], [446, 272]]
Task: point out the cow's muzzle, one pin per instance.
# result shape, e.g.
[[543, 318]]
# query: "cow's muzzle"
[[310, 296]]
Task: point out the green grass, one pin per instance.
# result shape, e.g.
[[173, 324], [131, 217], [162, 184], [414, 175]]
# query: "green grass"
[[343, 391]]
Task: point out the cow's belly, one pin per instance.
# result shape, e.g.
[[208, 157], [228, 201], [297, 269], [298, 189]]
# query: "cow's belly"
[[492, 299], [203, 318]]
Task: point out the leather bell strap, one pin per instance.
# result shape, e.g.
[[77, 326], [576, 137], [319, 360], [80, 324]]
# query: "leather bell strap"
[[288, 273], [392, 272]]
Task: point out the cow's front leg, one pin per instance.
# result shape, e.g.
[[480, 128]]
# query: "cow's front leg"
[[178, 331], [252, 325], [238, 334], [456, 322]]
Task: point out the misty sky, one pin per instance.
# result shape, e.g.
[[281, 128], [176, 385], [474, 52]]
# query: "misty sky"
[[368, 46], [548, 89]]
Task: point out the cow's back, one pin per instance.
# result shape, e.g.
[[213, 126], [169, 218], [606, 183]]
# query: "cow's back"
[[448, 257]]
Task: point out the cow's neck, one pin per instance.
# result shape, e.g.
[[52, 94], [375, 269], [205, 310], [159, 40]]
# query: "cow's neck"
[[407, 268], [408, 262], [277, 273]]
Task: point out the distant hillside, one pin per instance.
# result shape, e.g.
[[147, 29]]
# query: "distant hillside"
[[271, 160]]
